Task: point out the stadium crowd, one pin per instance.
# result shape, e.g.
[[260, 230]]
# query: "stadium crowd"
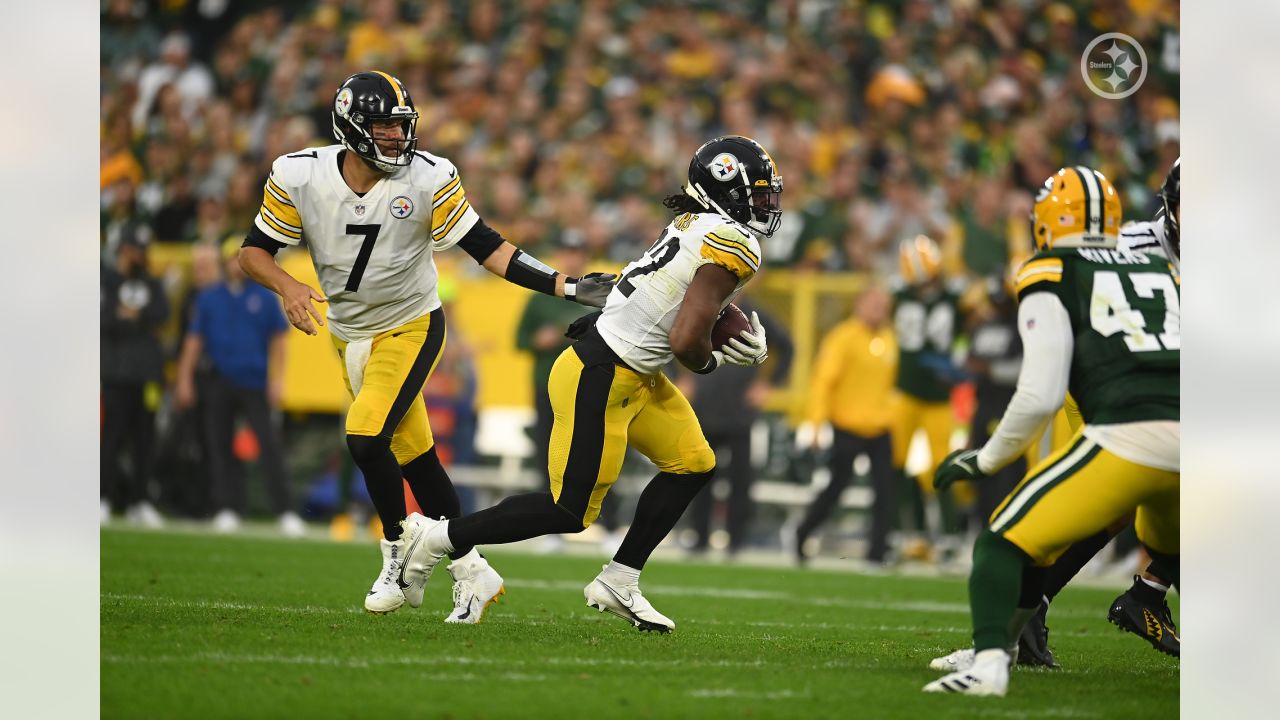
[[887, 119]]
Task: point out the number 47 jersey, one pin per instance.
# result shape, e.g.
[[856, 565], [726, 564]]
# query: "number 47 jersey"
[[1124, 311], [636, 322], [372, 252]]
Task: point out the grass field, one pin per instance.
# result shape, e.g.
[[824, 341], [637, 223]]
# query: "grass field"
[[198, 626]]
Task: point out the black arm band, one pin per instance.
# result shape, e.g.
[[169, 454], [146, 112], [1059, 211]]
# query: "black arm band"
[[711, 365], [527, 271], [257, 238], [480, 241]]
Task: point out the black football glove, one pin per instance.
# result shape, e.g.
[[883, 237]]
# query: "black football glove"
[[591, 289], [959, 465]]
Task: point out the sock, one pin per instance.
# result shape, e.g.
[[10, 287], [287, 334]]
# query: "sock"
[[519, 517], [1166, 567], [1162, 589], [1075, 558], [439, 536], [382, 477], [993, 589], [1021, 616], [433, 490], [623, 574], [661, 504]]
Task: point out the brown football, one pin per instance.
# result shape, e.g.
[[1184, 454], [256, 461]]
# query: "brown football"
[[731, 323]]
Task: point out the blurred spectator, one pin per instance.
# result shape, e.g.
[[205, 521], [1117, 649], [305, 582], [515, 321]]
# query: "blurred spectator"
[[728, 402], [240, 327], [133, 305], [191, 80], [853, 381], [926, 317]]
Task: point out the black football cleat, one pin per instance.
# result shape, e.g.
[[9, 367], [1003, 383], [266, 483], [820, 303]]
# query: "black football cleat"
[[1033, 644], [1142, 610]]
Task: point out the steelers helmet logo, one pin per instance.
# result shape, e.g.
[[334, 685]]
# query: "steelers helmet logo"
[[401, 207], [342, 103], [724, 167]]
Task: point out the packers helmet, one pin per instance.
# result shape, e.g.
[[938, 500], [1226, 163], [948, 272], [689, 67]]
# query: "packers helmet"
[[736, 176], [919, 259], [1078, 206], [366, 98]]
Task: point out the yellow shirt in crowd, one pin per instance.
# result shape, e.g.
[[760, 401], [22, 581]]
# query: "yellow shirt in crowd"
[[853, 379]]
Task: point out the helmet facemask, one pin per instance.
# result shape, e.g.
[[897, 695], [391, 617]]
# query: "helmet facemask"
[[363, 101], [367, 146]]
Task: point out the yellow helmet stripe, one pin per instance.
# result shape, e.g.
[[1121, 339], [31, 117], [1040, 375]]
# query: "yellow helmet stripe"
[[395, 85]]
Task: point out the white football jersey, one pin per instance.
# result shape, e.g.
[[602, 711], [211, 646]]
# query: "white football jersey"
[[641, 308], [1148, 237], [372, 253]]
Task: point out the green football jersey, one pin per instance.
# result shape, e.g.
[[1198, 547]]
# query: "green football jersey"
[[925, 323], [1124, 310]]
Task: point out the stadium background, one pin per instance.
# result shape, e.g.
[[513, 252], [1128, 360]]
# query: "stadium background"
[[886, 119]]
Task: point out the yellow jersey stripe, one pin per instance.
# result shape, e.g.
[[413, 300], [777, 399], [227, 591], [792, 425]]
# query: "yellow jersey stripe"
[[735, 243], [282, 221], [278, 191], [460, 211], [1046, 276], [441, 215], [395, 85], [729, 260], [1044, 264], [282, 213], [277, 227], [746, 256], [446, 191]]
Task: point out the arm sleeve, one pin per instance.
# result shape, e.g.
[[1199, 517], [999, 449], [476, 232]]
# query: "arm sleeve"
[[451, 213], [278, 217], [480, 241], [259, 239], [1047, 345]]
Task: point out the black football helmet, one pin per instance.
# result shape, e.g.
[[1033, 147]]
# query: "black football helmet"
[[1170, 199], [369, 97], [735, 176]]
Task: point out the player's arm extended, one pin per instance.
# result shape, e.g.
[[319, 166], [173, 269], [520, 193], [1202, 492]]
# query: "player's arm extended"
[[1047, 345], [690, 335], [257, 259], [509, 262]]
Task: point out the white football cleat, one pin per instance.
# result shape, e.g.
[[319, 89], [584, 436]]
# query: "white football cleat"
[[957, 661], [625, 601], [386, 596], [989, 675], [144, 514], [476, 586], [226, 521], [422, 552]]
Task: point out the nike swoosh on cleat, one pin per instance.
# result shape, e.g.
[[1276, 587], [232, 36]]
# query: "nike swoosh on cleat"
[[408, 553], [470, 604], [627, 602]]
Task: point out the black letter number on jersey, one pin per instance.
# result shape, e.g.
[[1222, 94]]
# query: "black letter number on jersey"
[[370, 233], [662, 252]]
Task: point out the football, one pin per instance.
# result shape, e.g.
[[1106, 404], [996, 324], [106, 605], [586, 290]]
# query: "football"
[[731, 323]]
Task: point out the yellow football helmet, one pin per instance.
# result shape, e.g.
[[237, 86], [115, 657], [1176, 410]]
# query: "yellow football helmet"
[[920, 259], [1077, 206]]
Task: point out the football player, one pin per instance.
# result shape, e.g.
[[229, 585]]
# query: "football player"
[[1103, 323], [1145, 599], [373, 208], [608, 391], [925, 318]]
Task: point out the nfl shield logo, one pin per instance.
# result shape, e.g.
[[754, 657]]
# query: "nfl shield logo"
[[359, 210], [401, 207]]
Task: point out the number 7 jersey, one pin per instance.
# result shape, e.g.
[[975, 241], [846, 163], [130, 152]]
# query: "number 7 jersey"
[[1126, 323], [637, 318], [372, 253]]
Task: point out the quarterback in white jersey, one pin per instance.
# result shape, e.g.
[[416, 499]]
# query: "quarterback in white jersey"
[[607, 390], [372, 210]]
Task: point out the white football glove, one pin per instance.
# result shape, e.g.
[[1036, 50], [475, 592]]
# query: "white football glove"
[[749, 348]]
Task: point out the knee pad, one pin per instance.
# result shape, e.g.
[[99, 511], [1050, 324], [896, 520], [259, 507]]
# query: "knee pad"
[[367, 447]]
